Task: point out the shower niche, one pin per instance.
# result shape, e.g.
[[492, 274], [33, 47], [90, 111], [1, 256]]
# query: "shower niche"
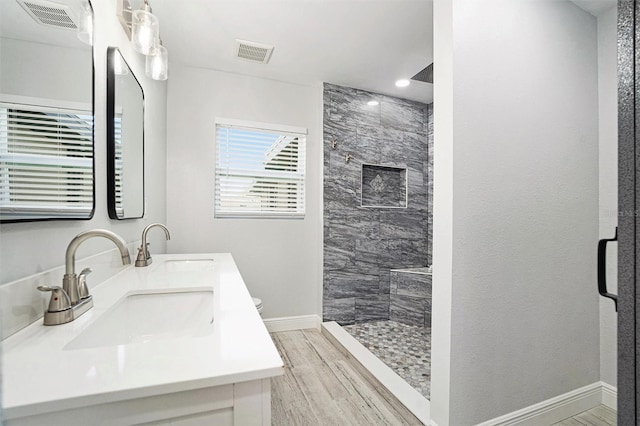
[[383, 186]]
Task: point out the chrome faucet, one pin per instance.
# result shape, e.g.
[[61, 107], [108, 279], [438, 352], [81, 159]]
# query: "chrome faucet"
[[73, 299], [144, 257]]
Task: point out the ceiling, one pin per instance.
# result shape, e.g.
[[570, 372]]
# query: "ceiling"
[[595, 7], [366, 44], [17, 24]]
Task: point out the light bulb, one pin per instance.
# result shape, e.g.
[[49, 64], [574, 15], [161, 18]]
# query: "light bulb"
[[156, 66], [402, 83], [145, 32]]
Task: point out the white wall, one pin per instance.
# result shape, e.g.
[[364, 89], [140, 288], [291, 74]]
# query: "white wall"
[[520, 127], [42, 70], [280, 260], [608, 192], [28, 248]]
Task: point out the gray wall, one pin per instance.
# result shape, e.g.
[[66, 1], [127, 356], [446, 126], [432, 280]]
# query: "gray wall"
[[29, 248], [608, 193], [517, 173], [361, 244]]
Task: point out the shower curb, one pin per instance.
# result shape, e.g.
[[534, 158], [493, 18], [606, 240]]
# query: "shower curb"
[[396, 385]]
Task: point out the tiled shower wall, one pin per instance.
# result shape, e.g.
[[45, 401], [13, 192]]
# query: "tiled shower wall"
[[361, 244]]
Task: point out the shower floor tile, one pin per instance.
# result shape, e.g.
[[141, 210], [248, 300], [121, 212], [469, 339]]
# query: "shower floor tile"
[[406, 349]]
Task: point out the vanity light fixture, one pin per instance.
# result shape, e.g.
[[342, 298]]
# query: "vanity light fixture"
[[373, 103], [156, 66], [143, 29], [402, 83]]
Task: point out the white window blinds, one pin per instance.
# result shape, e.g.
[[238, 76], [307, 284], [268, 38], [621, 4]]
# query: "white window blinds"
[[119, 164], [260, 171], [46, 162]]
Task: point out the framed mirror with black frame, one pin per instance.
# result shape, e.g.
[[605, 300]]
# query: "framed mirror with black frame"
[[125, 139], [46, 112]]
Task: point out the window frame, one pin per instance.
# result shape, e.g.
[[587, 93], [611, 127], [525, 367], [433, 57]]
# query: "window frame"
[[257, 127], [39, 214]]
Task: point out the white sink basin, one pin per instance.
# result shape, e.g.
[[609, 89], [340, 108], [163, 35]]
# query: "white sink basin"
[[188, 265], [142, 317]]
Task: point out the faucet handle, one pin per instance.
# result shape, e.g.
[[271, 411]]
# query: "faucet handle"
[[59, 298], [83, 290]]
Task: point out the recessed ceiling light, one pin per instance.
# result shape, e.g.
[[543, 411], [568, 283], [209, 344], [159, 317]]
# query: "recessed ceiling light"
[[402, 83], [373, 103]]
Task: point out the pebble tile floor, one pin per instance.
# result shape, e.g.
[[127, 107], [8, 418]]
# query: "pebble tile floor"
[[406, 349]]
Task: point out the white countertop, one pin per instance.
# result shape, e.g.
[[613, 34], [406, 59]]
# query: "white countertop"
[[41, 374]]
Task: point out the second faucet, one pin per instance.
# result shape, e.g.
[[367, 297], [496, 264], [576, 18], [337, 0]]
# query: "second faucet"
[[144, 257]]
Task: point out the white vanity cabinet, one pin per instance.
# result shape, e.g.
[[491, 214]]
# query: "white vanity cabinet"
[[240, 404], [217, 373]]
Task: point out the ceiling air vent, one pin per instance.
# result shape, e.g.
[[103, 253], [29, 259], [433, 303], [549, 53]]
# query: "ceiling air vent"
[[254, 52], [49, 13], [426, 75]]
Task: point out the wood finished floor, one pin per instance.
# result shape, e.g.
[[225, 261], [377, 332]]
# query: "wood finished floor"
[[597, 416], [321, 386]]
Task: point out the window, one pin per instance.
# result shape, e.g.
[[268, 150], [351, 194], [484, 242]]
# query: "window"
[[119, 162], [46, 162], [260, 170]]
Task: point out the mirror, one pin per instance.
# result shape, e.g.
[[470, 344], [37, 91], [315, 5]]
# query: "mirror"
[[125, 139], [46, 110]]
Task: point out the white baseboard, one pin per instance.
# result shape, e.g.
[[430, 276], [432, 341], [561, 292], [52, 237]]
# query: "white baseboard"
[[292, 323], [560, 407], [609, 395]]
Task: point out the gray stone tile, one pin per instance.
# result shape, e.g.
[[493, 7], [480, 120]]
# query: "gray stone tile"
[[392, 145], [407, 309], [346, 173], [365, 150], [427, 313], [362, 244], [371, 132], [392, 253], [372, 308], [385, 281], [365, 267], [344, 134], [393, 282], [417, 190], [353, 222], [350, 106], [338, 196], [407, 224], [372, 251], [416, 285], [342, 284], [406, 118], [339, 253], [415, 146], [341, 310], [430, 240]]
